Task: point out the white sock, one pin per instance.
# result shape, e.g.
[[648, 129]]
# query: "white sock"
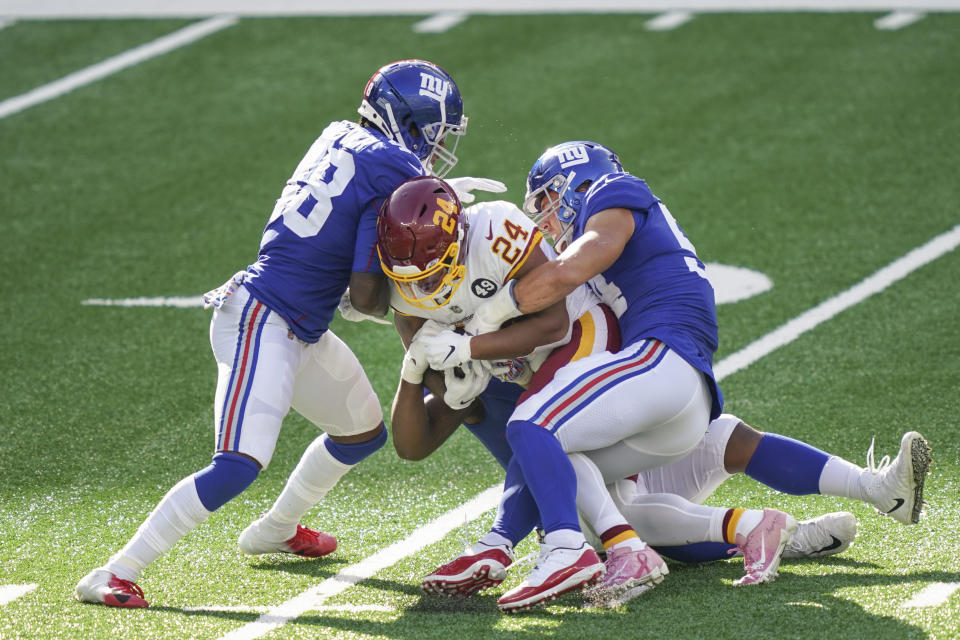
[[316, 473], [179, 513], [749, 518], [567, 538], [492, 539], [593, 498], [841, 478]]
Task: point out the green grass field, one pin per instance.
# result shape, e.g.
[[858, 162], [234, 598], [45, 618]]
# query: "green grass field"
[[813, 148]]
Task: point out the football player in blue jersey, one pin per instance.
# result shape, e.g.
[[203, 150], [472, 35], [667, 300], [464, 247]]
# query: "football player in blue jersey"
[[643, 407], [269, 331]]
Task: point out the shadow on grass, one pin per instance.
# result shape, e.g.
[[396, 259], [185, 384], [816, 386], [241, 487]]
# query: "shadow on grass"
[[696, 601]]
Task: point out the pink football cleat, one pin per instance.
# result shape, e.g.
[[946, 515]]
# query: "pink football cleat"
[[630, 573], [763, 546]]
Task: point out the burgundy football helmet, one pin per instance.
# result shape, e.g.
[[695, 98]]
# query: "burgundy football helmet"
[[420, 241]]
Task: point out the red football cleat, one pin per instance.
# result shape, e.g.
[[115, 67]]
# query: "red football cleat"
[[102, 587], [479, 567], [558, 570], [305, 542]]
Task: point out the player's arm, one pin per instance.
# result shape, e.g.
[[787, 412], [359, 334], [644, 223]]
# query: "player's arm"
[[369, 293], [420, 423], [605, 235], [528, 332]]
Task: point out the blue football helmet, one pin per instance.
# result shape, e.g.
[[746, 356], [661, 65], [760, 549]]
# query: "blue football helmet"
[[558, 181], [418, 105]]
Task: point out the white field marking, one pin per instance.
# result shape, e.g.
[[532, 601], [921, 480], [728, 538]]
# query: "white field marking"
[[481, 503], [183, 8], [183, 302], [730, 284], [441, 22], [787, 333], [668, 21], [932, 595], [10, 592], [112, 65], [897, 20], [313, 598], [733, 284], [6, 22]]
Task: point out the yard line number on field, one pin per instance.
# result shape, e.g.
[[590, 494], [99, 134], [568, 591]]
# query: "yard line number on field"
[[313, 598]]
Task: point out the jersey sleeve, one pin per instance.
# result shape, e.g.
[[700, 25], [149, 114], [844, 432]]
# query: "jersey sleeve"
[[613, 191], [384, 173]]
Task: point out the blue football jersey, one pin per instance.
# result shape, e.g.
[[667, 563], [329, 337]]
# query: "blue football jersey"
[[658, 287], [323, 226]]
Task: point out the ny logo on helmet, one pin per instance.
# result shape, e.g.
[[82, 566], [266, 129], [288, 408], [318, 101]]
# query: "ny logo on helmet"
[[573, 156], [433, 87]]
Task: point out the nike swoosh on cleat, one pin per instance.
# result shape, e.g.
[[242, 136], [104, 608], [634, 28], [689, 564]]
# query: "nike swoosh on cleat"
[[453, 348], [830, 547], [899, 502]]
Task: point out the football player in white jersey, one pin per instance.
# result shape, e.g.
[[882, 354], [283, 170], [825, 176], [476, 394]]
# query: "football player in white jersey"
[[444, 262], [269, 331], [429, 249]]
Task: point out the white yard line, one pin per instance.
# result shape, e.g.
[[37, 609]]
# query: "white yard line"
[[183, 8], [10, 592], [827, 309], [436, 530], [440, 22], [182, 302], [932, 595], [426, 535], [897, 20], [7, 22], [669, 21], [117, 63]]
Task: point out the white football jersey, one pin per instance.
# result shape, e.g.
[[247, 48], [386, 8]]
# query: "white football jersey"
[[499, 239]]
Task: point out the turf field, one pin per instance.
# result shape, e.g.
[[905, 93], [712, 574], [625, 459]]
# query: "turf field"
[[811, 147]]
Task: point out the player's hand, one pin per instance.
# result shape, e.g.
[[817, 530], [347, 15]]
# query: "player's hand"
[[444, 348], [517, 371], [494, 312], [464, 186], [465, 383], [348, 312], [414, 363]]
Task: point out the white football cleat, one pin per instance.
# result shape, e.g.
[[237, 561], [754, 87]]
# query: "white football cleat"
[[896, 488], [102, 587], [558, 570], [825, 535]]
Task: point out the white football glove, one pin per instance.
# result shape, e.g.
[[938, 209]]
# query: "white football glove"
[[414, 364], [348, 312], [445, 349], [494, 312], [464, 186], [462, 391]]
